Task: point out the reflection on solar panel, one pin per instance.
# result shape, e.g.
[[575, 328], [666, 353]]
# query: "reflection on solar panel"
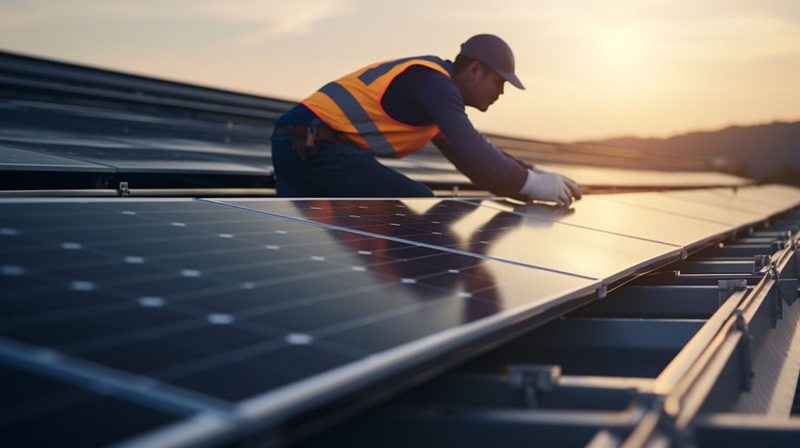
[[504, 236]]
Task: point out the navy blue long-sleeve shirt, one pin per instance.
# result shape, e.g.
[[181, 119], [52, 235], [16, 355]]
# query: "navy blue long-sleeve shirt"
[[421, 96]]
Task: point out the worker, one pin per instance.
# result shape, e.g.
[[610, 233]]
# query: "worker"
[[326, 145]]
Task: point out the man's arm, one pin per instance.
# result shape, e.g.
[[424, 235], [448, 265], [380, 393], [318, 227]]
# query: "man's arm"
[[499, 185], [421, 91], [486, 165]]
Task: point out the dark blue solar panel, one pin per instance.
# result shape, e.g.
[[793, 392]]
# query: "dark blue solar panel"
[[230, 304]]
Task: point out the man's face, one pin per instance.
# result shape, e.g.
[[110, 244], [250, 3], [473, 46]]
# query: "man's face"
[[485, 87]]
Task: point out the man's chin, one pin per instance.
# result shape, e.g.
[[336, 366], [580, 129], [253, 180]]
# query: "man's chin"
[[480, 108]]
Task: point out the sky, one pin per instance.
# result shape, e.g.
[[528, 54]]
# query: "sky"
[[592, 68]]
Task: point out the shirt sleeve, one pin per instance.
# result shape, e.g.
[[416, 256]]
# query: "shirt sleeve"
[[486, 166]]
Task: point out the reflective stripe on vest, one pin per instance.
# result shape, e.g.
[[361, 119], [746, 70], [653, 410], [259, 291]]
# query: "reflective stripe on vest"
[[352, 105]]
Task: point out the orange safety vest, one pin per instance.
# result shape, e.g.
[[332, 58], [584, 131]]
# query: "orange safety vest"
[[352, 106]]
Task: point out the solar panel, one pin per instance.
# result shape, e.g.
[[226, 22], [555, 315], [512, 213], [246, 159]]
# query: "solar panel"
[[762, 201], [18, 159], [778, 195], [598, 176], [668, 202], [146, 160], [220, 305], [599, 213], [485, 231]]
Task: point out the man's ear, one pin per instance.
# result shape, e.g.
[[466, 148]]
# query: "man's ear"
[[475, 70]]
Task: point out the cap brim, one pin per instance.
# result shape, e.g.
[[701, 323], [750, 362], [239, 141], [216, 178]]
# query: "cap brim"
[[512, 78]]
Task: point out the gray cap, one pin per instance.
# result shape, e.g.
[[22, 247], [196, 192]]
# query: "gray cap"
[[494, 51]]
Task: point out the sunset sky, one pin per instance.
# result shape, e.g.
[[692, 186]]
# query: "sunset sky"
[[592, 69]]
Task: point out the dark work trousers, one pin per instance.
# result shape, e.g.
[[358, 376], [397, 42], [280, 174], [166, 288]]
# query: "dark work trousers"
[[338, 170]]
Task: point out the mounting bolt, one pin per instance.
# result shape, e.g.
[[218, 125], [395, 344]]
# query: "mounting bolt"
[[534, 380]]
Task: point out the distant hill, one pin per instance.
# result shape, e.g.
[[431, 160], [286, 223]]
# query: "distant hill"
[[768, 152]]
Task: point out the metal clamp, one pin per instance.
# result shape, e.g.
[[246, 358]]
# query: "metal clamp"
[[123, 189], [777, 294], [534, 380], [760, 262], [746, 346], [728, 287], [796, 247], [786, 288]]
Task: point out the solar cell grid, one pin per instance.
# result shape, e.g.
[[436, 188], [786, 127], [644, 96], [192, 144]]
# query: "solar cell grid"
[[484, 231], [198, 295]]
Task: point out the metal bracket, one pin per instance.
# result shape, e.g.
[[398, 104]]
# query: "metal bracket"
[[746, 346], [534, 380], [123, 189], [602, 292], [777, 294], [728, 287], [761, 261], [785, 289]]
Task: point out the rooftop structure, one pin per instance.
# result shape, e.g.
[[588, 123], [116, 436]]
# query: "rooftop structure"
[[150, 282]]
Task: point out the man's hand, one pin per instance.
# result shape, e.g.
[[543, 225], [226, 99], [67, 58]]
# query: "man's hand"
[[546, 186]]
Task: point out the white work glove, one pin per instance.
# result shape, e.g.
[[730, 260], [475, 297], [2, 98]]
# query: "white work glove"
[[545, 186]]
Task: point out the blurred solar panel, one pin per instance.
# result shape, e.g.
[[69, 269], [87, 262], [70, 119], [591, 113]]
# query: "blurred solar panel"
[[147, 160], [668, 202], [767, 200], [18, 159], [177, 130], [637, 178]]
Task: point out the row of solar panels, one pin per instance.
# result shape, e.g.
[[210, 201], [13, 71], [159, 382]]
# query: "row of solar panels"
[[72, 127], [641, 367], [208, 320]]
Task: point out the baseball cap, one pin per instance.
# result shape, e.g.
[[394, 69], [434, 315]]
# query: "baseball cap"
[[492, 50]]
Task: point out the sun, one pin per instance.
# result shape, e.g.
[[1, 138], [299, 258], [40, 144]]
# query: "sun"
[[621, 44]]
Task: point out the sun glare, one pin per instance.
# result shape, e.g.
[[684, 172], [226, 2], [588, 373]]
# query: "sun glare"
[[620, 44], [623, 63]]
